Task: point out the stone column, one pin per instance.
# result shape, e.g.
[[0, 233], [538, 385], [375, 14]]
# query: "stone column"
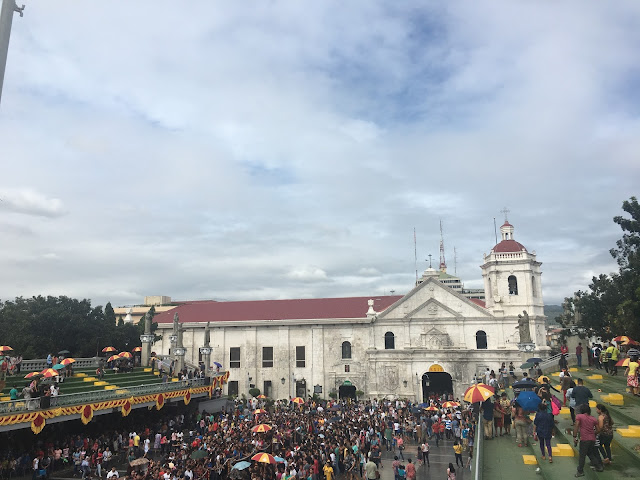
[[206, 350], [147, 339], [179, 351]]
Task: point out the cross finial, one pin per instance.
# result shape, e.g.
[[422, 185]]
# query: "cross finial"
[[506, 211], [429, 260]]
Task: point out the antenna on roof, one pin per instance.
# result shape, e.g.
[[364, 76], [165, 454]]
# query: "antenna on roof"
[[495, 229], [415, 254], [455, 262], [443, 263]]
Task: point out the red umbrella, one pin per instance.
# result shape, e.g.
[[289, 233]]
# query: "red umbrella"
[[113, 358], [68, 361], [5, 348], [125, 355], [137, 349], [263, 458], [478, 393], [263, 427], [108, 349], [297, 400]]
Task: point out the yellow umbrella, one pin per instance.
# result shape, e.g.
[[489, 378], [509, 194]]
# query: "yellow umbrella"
[[5, 348], [68, 361], [432, 408], [263, 458], [478, 393], [263, 427], [108, 349], [450, 404], [125, 355], [261, 397], [33, 374], [297, 400], [543, 379], [137, 349], [113, 358], [259, 411], [49, 372]]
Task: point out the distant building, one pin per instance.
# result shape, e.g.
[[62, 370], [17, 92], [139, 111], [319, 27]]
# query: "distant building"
[[432, 339], [455, 283], [133, 313]]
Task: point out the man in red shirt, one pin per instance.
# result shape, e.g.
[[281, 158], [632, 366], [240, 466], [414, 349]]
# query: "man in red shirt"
[[579, 353], [586, 425]]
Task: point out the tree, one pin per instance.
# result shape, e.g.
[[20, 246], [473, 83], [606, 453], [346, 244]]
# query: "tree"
[[109, 314], [611, 306]]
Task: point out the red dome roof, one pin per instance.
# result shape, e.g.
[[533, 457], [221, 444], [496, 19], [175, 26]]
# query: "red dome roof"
[[506, 224], [506, 246]]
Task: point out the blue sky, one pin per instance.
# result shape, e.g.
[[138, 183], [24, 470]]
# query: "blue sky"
[[288, 149]]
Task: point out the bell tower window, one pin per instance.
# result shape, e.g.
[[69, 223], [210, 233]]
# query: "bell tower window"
[[513, 285]]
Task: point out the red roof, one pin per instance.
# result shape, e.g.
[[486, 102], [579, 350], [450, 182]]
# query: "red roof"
[[301, 309], [506, 224], [479, 302], [508, 246]]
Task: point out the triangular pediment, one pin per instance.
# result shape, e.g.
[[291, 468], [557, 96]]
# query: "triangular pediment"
[[432, 299]]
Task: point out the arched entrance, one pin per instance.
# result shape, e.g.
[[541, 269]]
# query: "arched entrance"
[[436, 382], [347, 390]]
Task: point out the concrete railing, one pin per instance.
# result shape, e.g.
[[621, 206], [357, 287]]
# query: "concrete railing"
[[39, 364], [552, 364], [22, 406]]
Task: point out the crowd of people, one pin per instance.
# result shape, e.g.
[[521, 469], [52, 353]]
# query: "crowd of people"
[[317, 440]]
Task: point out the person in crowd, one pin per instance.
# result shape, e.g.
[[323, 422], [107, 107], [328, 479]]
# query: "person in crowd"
[[631, 373], [457, 450], [579, 354], [605, 435], [451, 472], [581, 394], [612, 358], [585, 427], [543, 424]]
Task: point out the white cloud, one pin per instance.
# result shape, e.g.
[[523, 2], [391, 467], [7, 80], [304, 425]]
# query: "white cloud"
[[239, 152], [30, 202]]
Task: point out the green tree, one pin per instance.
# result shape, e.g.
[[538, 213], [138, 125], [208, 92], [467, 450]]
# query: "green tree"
[[611, 305]]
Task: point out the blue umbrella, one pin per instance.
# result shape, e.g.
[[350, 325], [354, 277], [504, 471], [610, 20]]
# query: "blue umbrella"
[[241, 465], [219, 365], [279, 459], [528, 401], [422, 405]]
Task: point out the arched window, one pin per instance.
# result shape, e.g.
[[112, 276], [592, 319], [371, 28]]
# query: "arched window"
[[513, 285], [346, 349], [481, 340], [534, 291], [389, 341]]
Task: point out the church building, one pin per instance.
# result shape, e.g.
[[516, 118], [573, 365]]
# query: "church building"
[[431, 340]]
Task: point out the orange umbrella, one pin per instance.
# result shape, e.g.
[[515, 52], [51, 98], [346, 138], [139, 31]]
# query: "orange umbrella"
[[5, 348], [478, 393], [68, 361], [125, 355], [113, 358], [263, 427], [137, 349], [33, 374], [259, 411], [450, 404], [432, 408], [261, 397], [263, 458], [297, 400], [49, 372], [623, 363], [624, 340], [108, 349]]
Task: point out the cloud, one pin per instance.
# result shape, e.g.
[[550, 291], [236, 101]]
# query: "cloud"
[[30, 202], [289, 150]]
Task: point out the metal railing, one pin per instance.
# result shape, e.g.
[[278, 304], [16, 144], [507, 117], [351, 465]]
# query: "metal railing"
[[552, 363], [479, 438], [27, 405]]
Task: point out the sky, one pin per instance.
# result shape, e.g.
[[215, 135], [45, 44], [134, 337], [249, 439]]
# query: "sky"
[[286, 149]]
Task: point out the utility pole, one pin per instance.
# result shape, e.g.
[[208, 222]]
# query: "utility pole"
[[9, 7]]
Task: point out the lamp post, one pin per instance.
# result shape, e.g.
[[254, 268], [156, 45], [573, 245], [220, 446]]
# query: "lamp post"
[[9, 7]]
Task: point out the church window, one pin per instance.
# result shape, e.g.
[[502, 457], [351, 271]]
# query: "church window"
[[233, 388], [513, 285], [346, 349], [234, 357], [347, 368], [300, 357], [534, 291], [267, 357], [389, 341], [481, 340]]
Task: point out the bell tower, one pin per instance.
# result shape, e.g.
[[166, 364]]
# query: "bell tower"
[[512, 277]]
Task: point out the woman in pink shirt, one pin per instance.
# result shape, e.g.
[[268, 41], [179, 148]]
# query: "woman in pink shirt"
[[410, 470], [587, 427]]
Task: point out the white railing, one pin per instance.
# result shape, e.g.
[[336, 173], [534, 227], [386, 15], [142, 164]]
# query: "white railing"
[[38, 364], [553, 363]]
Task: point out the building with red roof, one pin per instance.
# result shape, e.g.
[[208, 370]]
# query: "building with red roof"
[[431, 340]]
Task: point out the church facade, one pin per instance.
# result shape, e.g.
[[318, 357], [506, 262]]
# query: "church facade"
[[430, 340]]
